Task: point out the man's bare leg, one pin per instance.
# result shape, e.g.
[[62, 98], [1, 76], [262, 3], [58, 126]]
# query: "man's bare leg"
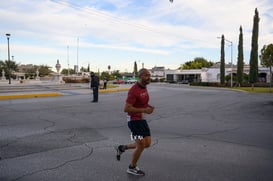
[[139, 144]]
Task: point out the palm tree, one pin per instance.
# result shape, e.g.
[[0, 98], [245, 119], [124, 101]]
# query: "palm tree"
[[109, 67]]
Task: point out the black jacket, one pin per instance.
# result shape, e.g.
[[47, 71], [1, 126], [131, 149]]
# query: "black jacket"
[[95, 82]]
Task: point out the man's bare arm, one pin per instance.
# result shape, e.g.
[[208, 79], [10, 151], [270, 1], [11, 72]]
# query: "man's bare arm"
[[130, 108]]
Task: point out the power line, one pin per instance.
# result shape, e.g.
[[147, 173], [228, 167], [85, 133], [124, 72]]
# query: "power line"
[[114, 19], [118, 20]]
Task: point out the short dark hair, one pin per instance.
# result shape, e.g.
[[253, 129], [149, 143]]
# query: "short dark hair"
[[141, 71]]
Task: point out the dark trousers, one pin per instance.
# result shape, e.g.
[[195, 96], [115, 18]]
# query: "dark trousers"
[[95, 94]]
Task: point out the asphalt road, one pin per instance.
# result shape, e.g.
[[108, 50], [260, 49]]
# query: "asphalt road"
[[197, 134]]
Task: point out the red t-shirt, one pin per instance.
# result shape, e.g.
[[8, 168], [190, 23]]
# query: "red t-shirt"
[[139, 98]]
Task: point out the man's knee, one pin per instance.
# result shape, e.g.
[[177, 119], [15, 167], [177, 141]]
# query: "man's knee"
[[141, 143], [147, 142], [148, 145]]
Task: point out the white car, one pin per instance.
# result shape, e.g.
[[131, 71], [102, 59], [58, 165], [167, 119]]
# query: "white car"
[[130, 81]]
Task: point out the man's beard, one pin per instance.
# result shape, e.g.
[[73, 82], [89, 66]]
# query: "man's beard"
[[146, 82]]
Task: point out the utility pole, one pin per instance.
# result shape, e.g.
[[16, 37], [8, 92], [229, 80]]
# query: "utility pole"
[[8, 35]]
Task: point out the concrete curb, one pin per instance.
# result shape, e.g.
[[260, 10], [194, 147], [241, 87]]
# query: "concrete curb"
[[26, 96], [52, 94], [113, 90]]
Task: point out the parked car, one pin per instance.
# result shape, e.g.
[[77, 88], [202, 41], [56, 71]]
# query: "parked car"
[[184, 82], [130, 81], [118, 81]]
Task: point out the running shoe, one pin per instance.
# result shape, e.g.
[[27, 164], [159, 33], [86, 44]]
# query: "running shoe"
[[119, 150], [135, 171]]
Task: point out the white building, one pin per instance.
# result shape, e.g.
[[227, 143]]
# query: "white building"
[[157, 73], [211, 74]]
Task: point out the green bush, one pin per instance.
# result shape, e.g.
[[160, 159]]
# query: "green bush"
[[227, 84], [209, 84], [258, 84], [172, 82], [75, 80]]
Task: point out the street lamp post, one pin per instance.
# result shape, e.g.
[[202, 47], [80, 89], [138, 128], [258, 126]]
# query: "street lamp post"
[[231, 67], [8, 35], [270, 70], [77, 56], [68, 74], [231, 54]]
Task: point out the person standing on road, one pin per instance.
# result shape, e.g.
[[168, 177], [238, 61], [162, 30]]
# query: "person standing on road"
[[105, 83], [94, 85], [137, 105]]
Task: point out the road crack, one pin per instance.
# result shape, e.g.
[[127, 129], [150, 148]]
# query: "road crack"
[[90, 152]]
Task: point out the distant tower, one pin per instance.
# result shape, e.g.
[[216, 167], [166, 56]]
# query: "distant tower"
[[58, 67]]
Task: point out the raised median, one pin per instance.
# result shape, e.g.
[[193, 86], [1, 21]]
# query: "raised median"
[[52, 94]]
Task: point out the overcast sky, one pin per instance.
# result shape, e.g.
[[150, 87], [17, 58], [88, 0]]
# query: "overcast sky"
[[120, 32]]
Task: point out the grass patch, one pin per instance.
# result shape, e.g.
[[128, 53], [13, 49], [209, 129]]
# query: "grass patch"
[[113, 90], [109, 86], [26, 96], [255, 89]]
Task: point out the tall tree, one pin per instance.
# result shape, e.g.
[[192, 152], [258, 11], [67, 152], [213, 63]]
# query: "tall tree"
[[88, 68], [267, 58], [135, 68], [222, 63], [65, 71], [240, 62], [116, 74], [44, 70], [197, 63], [105, 75], [253, 62], [8, 67]]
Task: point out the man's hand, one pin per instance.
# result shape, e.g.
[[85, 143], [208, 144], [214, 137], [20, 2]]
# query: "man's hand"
[[149, 110]]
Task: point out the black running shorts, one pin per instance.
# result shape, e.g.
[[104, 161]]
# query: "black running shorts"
[[139, 129]]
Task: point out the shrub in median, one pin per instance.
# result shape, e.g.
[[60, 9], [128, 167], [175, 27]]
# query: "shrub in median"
[[75, 80]]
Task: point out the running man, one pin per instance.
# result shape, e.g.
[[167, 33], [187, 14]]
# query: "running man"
[[137, 105]]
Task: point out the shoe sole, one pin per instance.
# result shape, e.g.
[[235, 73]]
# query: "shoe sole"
[[133, 173]]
